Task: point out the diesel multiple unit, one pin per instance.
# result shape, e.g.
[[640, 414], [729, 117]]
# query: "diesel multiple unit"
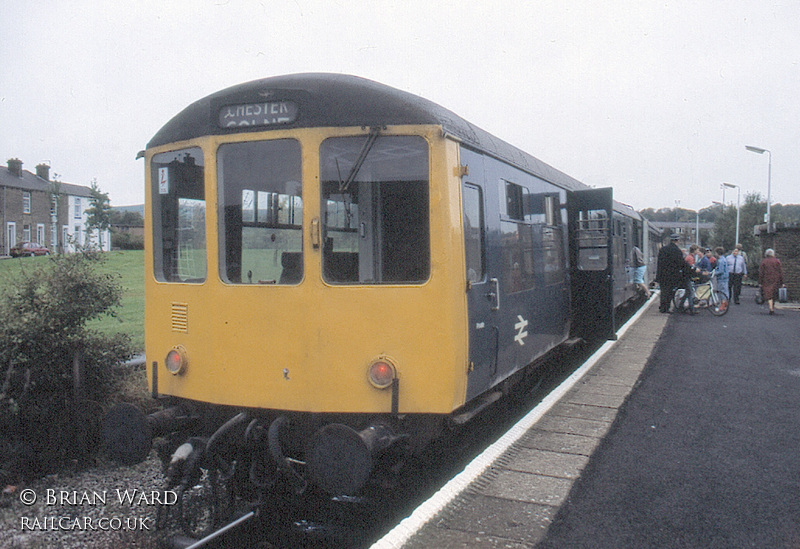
[[336, 270]]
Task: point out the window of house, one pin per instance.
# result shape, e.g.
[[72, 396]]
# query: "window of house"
[[26, 202], [77, 209]]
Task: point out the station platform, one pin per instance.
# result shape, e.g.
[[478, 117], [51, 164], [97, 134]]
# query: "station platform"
[[682, 433]]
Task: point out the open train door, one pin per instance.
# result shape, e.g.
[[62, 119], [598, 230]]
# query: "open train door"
[[591, 263]]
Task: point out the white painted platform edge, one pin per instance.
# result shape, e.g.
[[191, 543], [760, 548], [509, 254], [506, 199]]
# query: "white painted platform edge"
[[401, 533]]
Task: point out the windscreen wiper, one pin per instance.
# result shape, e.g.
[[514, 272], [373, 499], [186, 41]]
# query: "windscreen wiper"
[[362, 156]]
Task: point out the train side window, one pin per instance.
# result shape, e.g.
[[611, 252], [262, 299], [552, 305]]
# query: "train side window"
[[515, 201], [261, 212], [551, 210], [592, 236], [553, 255], [375, 209], [474, 233], [179, 216], [517, 255]]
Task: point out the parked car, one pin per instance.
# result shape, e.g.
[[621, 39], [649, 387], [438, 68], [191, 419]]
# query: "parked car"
[[28, 249]]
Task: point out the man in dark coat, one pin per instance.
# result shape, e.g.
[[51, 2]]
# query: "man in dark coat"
[[670, 271]]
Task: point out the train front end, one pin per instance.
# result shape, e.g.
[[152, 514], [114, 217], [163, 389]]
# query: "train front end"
[[305, 291], [281, 271]]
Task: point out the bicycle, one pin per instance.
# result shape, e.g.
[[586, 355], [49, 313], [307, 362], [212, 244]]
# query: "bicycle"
[[704, 295]]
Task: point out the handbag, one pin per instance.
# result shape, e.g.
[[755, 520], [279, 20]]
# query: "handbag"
[[759, 296], [783, 295]]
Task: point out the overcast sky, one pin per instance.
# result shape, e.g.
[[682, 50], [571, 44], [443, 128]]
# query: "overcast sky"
[[654, 98]]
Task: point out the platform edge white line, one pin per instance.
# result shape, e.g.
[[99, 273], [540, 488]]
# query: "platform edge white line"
[[400, 534]]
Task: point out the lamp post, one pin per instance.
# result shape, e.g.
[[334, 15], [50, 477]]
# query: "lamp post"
[[722, 186], [759, 150], [697, 227], [732, 186]]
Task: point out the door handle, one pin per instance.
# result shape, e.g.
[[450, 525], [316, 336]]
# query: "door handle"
[[315, 234], [495, 294]]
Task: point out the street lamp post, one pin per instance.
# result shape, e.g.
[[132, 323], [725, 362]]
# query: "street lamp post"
[[732, 186], [697, 227], [759, 150]]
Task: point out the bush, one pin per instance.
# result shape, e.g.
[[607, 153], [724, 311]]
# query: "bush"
[[127, 241], [46, 420]]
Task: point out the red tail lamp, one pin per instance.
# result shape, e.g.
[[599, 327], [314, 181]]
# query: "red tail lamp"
[[177, 360], [381, 373]]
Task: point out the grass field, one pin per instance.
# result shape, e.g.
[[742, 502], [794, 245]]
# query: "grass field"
[[129, 265]]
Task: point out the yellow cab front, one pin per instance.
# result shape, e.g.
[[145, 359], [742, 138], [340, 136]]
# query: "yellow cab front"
[[308, 270]]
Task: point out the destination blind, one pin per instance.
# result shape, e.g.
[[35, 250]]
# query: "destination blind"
[[266, 113]]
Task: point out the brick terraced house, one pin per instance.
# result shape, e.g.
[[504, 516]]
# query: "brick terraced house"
[[35, 209]]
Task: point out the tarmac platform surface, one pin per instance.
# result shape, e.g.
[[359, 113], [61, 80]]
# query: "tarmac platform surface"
[[685, 434]]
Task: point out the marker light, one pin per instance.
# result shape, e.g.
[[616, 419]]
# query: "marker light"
[[176, 360], [381, 373]]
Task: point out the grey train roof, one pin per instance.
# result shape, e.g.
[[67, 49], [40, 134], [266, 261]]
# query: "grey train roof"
[[337, 100]]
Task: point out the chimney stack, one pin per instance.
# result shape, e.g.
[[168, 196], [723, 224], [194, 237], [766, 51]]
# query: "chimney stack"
[[15, 166], [43, 171]]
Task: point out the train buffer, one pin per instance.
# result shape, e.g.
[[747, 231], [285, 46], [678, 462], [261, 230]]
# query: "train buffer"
[[682, 434]]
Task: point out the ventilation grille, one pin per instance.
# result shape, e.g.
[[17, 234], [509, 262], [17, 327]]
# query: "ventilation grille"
[[180, 317]]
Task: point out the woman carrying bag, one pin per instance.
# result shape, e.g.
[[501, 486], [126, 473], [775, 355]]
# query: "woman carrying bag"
[[770, 278]]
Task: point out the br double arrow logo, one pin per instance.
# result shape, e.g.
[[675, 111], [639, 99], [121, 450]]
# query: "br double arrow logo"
[[522, 333]]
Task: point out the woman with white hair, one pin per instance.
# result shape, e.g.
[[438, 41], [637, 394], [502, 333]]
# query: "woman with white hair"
[[770, 278]]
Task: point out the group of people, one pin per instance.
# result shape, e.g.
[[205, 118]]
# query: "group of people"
[[675, 269]]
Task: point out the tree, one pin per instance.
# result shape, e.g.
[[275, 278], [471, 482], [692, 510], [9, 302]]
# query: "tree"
[[751, 214], [785, 213], [707, 215], [44, 342], [134, 219], [98, 214]]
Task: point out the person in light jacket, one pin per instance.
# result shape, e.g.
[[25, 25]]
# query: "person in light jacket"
[[721, 270], [639, 269], [737, 271]]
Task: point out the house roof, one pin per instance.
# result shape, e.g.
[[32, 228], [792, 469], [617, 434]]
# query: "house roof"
[[32, 182]]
